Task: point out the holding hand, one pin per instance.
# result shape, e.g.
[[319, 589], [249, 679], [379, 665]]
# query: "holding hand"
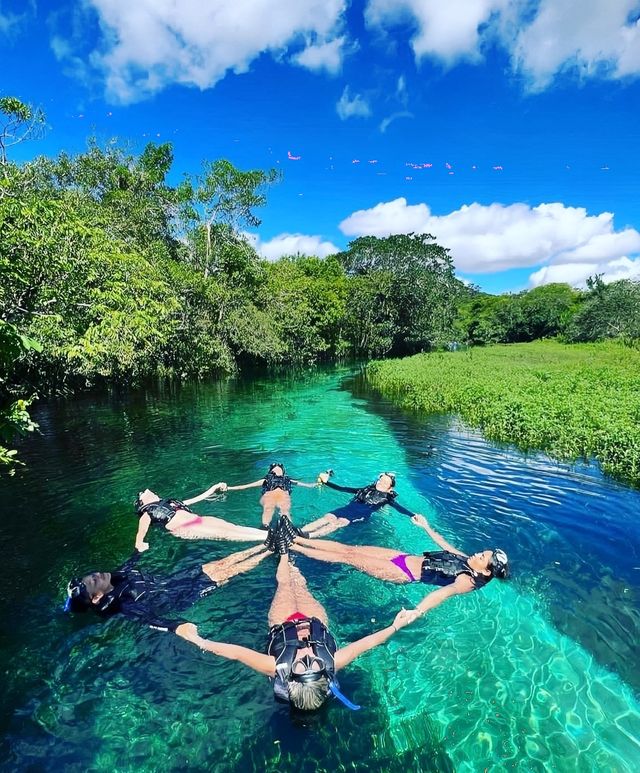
[[420, 520], [405, 617], [189, 632], [142, 546]]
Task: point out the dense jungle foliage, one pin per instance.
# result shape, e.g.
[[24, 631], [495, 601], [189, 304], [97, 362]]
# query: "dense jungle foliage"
[[572, 401], [111, 272]]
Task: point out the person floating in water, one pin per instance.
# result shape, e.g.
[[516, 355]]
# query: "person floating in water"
[[276, 491], [181, 521], [367, 500], [455, 571], [302, 656], [138, 596]]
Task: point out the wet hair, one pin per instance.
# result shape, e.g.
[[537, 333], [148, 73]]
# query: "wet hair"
[[499, 564], [390, 475], [277, 464], [308, 696], [78, 599]]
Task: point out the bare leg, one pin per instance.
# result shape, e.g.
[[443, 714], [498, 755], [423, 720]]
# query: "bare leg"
[[292, 595], [272, 500], [325, 525], [237, 563], [369, 551], [381, 568], [319, 522], [210, 527]]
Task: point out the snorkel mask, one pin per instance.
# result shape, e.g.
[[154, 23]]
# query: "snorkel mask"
[[499, 563], [311, 674], [76, 591]]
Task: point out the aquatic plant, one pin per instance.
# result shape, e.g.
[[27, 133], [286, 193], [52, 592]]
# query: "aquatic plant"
[[570, 400]]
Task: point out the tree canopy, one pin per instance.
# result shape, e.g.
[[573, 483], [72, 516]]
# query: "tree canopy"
[[110, 272]]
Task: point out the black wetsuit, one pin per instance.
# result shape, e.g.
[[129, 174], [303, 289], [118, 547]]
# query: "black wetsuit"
[[272, 482], [365, 502], [283, 645], [147, 599], [163, 510], [443, 568]]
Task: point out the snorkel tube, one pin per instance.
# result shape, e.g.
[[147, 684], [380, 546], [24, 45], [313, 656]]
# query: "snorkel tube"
[[335, 691], [309, 676]]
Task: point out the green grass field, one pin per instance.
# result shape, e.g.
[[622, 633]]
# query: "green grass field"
[[570, 400]]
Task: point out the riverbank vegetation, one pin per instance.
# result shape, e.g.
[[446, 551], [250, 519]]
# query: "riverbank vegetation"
[[114, 267], [111, 271], [572, 401]]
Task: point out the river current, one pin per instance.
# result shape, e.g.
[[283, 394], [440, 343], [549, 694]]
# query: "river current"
[[541, 673]]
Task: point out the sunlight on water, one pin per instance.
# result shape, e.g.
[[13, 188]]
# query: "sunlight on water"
[[499, 680]]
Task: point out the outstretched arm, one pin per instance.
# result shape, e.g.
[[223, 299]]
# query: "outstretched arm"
[[345, 655], [346, 489], [255, 484], [263, 664], [462, 585], [401, 508], [306, 485], [207, 493], [143, 528], [422, 522]]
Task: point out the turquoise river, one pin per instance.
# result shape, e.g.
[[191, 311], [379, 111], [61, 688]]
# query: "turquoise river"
[[541, 673]]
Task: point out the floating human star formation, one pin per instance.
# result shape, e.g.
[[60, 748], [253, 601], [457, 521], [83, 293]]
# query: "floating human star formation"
[[506, 129]]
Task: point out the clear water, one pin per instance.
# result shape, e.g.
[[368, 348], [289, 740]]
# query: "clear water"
[[538, 674]]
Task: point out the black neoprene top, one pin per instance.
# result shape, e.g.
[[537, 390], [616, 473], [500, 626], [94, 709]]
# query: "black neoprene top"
[[372, 497]]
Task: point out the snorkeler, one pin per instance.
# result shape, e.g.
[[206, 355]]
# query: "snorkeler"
[[455, 571], [276, 491], [366, 501], [146, 599], [302, 657], [177, 518]]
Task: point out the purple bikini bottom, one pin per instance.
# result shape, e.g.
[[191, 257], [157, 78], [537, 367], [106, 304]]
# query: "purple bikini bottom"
[[401, 562]]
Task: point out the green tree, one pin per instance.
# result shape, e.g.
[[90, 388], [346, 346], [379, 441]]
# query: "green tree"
[[14, 417], [126, 194], [420, 301], [305, 298], [539, 313], [19, 122], [609, 311], [220, 202]]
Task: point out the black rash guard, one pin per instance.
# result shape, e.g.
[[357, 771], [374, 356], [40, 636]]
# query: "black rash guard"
[[443, 568], [147, 599], [163, 510], [367, 500], [272, 482]]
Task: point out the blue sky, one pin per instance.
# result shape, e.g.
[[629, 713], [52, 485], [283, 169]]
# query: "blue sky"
[[509, 129]]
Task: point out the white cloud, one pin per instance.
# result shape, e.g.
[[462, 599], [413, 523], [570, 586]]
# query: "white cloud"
[[389, 217], [484, 239], [352, 107], [543, 37], [386, 122], [447, 31], [402, 95], [322, 56], [576, 274], [11, 23], [292, 244], [592, 37], [148, 44]]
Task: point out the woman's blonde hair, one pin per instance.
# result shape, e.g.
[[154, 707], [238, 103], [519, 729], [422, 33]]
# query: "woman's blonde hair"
[[310, 695]]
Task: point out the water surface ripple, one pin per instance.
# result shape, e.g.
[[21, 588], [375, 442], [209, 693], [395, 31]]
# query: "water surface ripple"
[[537, 674]]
